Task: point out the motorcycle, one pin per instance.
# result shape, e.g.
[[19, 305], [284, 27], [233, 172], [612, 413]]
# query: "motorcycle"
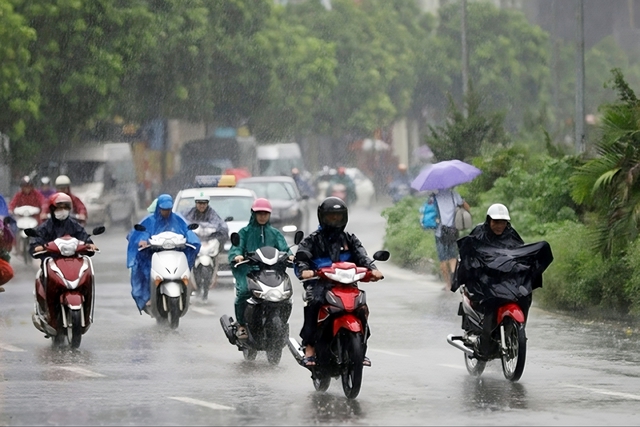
[[342, 327], [509, 339], [205, 270], [169, 278], [338, 190], [25, 217], [269, 307], [400, 191], [64, 289]]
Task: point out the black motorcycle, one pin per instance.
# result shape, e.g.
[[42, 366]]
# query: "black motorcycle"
[[269, 308]]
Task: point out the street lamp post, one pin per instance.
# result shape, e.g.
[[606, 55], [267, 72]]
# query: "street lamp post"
[[579, 117]]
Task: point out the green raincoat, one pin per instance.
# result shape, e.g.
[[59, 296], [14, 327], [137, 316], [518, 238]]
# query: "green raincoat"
[[252, 237]]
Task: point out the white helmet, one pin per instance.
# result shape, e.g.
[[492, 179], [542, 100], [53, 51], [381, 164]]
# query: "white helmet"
[[498, 211], [62, 181], [202, 197]]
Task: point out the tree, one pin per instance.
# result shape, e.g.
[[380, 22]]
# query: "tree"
[[608, 184]]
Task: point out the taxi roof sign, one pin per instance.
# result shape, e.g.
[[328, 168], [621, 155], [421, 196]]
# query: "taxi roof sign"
[[216, 180]]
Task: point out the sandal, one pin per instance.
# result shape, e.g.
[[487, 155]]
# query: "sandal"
[[241, 333], [366, 362], [308, 361]]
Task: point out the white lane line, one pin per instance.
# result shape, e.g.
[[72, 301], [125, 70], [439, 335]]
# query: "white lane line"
[[202, 311], [607, 392], [209, 405], [391, 353], [81, 371], [9, 347], [452, 366]]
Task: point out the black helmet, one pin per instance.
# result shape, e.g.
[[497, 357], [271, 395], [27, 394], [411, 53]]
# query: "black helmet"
[[333, 205]]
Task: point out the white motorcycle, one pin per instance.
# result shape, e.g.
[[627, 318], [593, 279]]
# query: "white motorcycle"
[[25, 217], [169, 278], [205, 270]]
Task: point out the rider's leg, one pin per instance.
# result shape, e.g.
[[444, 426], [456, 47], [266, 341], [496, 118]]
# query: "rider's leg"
[[314, 299], [242, 295]]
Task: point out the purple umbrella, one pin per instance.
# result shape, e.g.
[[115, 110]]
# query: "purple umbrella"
[[445, 174]]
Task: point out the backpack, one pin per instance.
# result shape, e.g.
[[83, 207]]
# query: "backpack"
[[430, 218]]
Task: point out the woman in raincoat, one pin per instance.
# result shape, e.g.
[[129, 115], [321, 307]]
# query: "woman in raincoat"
[[162, 219], [256, 234]]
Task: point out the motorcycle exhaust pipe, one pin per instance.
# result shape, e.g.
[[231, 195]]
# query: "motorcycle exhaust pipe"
[[453, 340], [295, 349]]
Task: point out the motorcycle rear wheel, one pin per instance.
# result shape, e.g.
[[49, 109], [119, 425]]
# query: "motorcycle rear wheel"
[[474, 366], [249, 354], [353, 356], [173, 314], [516, 343], [26, 257], [74, 329], [274, 355]]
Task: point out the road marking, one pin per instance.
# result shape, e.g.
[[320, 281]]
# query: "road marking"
[[209, 405], [202, 311], [9, 347], [81, 371], [452, 366], [388, 352], [607, 392]]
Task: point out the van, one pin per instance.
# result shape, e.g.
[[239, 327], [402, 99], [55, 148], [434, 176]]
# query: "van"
[[279, 159], [103, 177]]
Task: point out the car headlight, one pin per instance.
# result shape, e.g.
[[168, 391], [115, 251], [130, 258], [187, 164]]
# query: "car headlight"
[[289, 228]]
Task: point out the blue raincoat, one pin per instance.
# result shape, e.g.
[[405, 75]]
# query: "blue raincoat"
[[140, 261]]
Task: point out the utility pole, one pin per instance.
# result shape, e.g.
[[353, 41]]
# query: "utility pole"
[[579, 118], [465, 56]]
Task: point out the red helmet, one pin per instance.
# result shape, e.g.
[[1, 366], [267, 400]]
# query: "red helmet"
[[261, 205], [60, 198]]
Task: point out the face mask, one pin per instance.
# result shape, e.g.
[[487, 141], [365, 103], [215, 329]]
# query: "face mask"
[[61, 215]]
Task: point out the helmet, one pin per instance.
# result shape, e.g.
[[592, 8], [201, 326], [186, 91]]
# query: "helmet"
[[45, 180], [202, 198], [333, 205], [498, 211], [58, 199], [261, 205], [63, 181], [25, 181]]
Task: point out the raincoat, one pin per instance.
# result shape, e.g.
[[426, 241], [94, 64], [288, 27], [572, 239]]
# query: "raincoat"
[[252, 237], [140, 261], [209, 218], [500, 268]]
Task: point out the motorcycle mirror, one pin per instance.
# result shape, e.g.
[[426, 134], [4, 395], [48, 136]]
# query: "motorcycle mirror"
[[139, 227], [193, 226], [297, 238], [381, 255], [31, 232], [235, 239], [6, 220], [98, 230], [229, 218]]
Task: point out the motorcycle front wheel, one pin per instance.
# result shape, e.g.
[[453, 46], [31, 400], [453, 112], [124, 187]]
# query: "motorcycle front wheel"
[[352, 356], [321, 384], [514, 357], [74, 329], [173, 314]]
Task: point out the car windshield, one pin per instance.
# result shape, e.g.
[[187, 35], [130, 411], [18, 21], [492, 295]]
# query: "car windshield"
[[271, 190], [238, 207]]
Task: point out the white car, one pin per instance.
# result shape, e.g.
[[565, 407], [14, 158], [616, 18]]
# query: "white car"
[[364, 186], [228, 202]]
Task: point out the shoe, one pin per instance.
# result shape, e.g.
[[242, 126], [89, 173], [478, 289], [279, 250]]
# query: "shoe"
[[308, 361], [241, 333], [147, 309], [366, 362]]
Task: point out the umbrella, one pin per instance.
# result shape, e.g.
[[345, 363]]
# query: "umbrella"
[[423, 153], [445, 174]]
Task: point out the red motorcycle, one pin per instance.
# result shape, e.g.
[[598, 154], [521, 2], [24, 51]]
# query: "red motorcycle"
[[64, 289], [342, 327]]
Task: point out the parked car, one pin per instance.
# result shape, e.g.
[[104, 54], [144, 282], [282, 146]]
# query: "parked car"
[[290, 208], [228, 202], [365, 190]]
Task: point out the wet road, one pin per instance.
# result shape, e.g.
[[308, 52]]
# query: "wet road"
[[128, 371]]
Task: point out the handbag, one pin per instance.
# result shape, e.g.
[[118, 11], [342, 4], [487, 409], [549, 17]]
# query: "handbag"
[[463, 219]]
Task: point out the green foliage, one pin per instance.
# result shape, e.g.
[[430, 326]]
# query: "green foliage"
[[404, 237], [462, 136]]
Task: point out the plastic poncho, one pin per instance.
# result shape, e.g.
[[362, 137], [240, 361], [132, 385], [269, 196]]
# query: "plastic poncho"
[[209, 218], [140, 261], [500, 268]]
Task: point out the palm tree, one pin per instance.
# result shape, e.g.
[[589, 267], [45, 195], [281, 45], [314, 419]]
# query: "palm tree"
[[609, 183]]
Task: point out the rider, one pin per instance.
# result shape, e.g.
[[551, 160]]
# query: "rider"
[[497, 232], [330, 243], [45, 187], [59, 224], [206, 216], [342, 178], [163, 219], [26, 196], [402, 180], [303, 185], [6, 241], [63, 185], [256, 234]]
